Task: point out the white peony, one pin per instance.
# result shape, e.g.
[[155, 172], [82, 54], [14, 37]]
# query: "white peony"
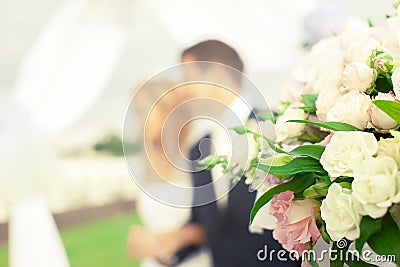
[[380, 119], [346, 150], [285, 130], [396, 83], [338, 211], [376, 186], [325, 101], [357, 76], [352, 108], [391, 147]]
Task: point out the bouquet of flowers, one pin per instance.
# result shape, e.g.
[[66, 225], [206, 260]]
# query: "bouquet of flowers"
[[336, 169]]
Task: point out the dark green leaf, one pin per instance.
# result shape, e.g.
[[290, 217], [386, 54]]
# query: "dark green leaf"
[[389, 107], [312, 151], [387, 240], [383, 85], [297, 184], [331, 125], [368, 227], [297, 165], [324, 233]]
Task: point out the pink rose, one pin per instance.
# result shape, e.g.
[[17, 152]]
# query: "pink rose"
[[296, 225], [326, 140]]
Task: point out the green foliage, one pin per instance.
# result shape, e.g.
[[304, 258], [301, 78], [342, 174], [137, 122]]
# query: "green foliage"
[[312, 151], [387, 240], [244, 130], [368, 227], [331, 125], [297, 165], [297, 185], [309, 103], [391, 108], [211, 161], [266, 116]]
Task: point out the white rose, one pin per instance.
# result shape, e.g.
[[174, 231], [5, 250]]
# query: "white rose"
[[361, 48], [347, 150], [380, 119], [351, 108], [329, 77], [325, 101], [285, 130], [322, 55], [339, 214], [376, 186], [396, 83], [357, 76], [391, 147]]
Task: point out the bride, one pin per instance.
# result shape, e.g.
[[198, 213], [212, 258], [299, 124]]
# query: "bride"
[[153, 243]]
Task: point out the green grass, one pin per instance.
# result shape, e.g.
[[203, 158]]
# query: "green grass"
[[95, 244], [100, 244], [3, 256]]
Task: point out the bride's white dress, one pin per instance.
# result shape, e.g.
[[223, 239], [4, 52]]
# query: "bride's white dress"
[[157, 216]]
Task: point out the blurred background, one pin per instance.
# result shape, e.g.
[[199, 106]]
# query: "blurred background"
[[67, 73]]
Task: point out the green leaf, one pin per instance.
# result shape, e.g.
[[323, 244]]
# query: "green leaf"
[[389, 107], [310, 256], [368, 227], [297, 184], [387, 240], [309, 100], [297, 165], [331, 125], [312, 151], [244, 130], [266, 116], [383, 85], [241, 130]]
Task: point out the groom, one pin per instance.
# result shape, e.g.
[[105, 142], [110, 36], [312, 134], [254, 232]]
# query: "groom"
[[221, 225]]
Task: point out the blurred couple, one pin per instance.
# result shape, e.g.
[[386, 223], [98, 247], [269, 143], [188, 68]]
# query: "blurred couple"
[[215, 231]]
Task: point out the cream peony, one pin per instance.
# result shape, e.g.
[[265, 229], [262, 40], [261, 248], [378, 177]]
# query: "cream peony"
[[376, 186], [284, 129], [338, 211], [391, 147], [325, 101], [352, 108], [396, 83], [380, 119], [357, 76], [346, 150]]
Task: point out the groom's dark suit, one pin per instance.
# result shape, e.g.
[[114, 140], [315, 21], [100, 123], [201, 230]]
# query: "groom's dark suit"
[[228, 236]]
